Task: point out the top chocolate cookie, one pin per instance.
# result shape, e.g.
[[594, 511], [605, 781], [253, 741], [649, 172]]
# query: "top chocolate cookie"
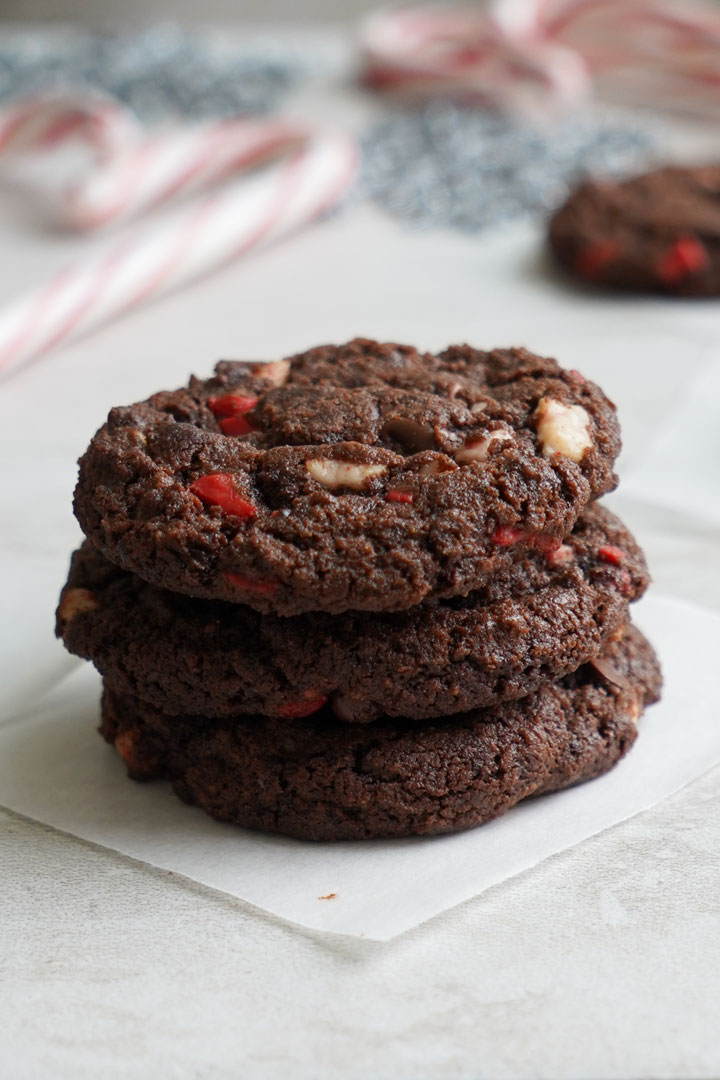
[[659, 232], [365, 476]]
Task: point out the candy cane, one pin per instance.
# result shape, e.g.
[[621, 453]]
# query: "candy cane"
[[515, 51], [172, 164], [48, 120], [463, 50], [670, 50], [304, 174]]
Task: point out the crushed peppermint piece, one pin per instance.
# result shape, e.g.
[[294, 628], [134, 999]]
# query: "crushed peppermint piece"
[[264, 588], [477, 449], [337, 474], [562, 429], [611, 554], [236, 425], [220, 489], [231, 404], [295, 710]]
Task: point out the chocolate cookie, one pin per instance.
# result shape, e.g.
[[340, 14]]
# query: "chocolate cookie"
[[361, 477], [543, 616], [319, 780], [659, 232]]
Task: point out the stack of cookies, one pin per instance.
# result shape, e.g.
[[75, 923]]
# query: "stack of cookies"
[[361, 592]]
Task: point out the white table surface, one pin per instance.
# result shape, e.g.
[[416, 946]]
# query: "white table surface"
[[601, 962]]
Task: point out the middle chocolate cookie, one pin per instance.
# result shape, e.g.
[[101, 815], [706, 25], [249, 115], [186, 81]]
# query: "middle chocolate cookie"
[[545, 614]]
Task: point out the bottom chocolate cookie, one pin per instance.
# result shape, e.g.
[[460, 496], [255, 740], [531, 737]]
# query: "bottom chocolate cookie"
[[321, 780]]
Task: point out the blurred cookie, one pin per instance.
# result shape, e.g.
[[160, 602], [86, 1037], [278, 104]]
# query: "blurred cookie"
[[659, 232]]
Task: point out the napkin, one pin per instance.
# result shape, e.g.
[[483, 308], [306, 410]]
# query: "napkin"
[[56, 769]]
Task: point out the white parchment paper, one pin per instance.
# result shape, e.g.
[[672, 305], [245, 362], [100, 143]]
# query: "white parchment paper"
[[55, 768], [681, 466], [654, 358]]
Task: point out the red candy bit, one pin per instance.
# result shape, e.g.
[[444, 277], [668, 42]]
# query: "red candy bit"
[[561, 555], [124, 743], [594, 258], [220, 489], [507, 535], [686, 256], [231, 404], [236, 425], [264, 588], [396, 495], [547, 544], [294, 710], [610, 553], [625, 583], [575, 374]]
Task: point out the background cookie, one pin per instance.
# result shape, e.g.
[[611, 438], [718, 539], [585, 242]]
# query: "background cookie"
[[323, 781], [360, 477], [657, 232], [543, 616]]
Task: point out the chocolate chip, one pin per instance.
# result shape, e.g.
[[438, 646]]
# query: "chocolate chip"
[[411, 435], [352, 711], [606, 669]]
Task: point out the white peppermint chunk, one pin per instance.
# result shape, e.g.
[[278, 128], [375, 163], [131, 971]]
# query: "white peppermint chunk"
[[436, 466], [335, 474], [276, 371], [477, 449], [561, 555], [562, 429], [76, 601]]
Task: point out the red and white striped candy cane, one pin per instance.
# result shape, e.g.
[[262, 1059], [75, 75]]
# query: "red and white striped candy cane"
[[468, 51], [43, 122], [515, 53], [305, 173], [168, 165], [657, 51]]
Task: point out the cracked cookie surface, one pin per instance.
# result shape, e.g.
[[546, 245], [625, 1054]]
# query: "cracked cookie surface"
[[320, 780], [359, 477]]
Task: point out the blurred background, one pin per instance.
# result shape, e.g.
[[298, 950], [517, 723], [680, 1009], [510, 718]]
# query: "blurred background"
[[125, 12], [470, 118]]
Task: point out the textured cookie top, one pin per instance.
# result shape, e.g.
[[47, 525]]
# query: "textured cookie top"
[[364, 476], [655, 232], [326, 781], [541, 617]]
